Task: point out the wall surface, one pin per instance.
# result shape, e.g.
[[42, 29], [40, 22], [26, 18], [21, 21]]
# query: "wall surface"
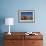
[[9, 8]]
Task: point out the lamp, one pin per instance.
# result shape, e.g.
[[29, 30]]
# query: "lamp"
[[9, 21]]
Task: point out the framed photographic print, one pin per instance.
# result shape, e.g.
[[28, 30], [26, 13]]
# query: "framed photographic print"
[[26, 16]]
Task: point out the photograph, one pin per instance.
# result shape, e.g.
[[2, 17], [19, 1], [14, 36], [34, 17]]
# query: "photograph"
[[26, 15]]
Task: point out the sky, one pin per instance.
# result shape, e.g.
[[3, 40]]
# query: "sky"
[[26, 13]]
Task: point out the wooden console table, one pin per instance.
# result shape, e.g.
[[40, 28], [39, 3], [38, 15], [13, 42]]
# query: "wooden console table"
[[20, 39]]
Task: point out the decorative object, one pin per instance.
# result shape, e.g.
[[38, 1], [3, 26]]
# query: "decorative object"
[[26, 16], [9, 21], [30, 33]]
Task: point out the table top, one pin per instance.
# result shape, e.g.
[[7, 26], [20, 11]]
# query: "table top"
[[22, 35]]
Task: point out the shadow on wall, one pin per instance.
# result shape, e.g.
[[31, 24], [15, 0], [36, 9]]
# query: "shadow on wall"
[[1, 39], [2, 21]]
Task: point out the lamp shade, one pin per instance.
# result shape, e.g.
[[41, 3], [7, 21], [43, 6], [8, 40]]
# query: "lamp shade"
[[9, 21]]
